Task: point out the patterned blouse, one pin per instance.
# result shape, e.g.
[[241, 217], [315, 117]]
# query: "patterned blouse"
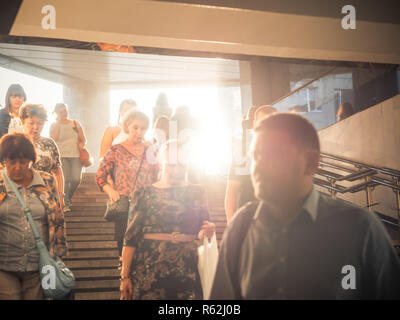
[[48, 156], [163, 269], [122, 166]]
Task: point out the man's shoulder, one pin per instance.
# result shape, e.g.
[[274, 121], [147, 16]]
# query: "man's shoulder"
[[243, 215], [342, 210]]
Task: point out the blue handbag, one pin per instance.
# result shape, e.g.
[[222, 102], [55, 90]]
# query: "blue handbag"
[[56, 279]]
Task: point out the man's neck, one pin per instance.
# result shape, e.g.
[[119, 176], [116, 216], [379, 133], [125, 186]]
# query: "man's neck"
[[285, 211]]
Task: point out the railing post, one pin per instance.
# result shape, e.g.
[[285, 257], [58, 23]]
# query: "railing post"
[[398, 200], [368, 190], [331, 191]]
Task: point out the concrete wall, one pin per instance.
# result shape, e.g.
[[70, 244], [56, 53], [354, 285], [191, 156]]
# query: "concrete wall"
[[88, 102], [371, 137]]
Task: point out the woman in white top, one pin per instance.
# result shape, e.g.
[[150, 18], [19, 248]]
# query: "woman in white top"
[[114, 134], [70, 138]]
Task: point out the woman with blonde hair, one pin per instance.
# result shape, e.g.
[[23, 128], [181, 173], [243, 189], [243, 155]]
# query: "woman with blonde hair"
[[127, 166]]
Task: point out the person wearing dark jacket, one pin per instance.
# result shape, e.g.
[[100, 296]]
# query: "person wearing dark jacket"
[[295, 243], [9, 115]]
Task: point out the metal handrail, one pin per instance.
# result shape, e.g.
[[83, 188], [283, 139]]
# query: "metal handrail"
[[365, 172], [391, 172], [303, 86]]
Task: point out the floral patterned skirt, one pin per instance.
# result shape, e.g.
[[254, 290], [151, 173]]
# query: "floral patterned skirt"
[[165, 270]]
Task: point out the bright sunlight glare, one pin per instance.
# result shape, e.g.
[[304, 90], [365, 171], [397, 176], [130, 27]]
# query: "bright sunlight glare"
[[212, 146]]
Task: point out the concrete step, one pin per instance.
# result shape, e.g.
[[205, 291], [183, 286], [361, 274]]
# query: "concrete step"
[[85, 213], [92, 264], [70, 218], [93, 245], [82, 225], [87, 204], [88, 199], [85, 231], [111, 295], [97, 284], [97, 273], [94, 254], [96, 237], [80, 208]]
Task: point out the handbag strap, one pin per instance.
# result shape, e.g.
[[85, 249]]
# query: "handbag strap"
[[77, 131], [140, 166], [23, 204]]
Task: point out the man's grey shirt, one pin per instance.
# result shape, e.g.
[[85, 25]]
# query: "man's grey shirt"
[[331, 250]]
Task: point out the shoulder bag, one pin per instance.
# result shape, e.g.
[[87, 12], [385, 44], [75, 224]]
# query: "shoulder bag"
[[116, 209], [64, 279], [84, 155]]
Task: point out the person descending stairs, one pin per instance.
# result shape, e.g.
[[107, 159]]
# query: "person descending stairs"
[[93, 253]]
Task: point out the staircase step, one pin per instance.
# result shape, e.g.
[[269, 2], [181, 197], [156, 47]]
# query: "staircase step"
[[71, 231], [112, 295], [96, 237], [84, 264], [99, 254], [85, 213], [93, 245], [70, 218], [98, 284], [96, 273], [82, 225], [87, 204], [75, 208]]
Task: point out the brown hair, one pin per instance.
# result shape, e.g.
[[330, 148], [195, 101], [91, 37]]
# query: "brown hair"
[[162, 123], [299, 129], [58, 106], [32, 110], [16, 146], [14, 89]]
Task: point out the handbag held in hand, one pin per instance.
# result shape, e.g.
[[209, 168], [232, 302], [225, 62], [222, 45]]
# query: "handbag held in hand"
[[84, 156], [56, 279], [116, 209], [121, 206]]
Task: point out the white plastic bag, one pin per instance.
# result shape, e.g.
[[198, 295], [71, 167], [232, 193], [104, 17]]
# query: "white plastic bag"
[[208, 259]]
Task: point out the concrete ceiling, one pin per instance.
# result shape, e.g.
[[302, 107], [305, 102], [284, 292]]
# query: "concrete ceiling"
[[117, 68], [191, 26]]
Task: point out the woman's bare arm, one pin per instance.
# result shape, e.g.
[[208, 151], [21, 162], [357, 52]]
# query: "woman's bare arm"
[[126, 283]]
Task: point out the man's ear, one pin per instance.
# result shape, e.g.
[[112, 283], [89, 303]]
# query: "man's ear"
[[312, 161]]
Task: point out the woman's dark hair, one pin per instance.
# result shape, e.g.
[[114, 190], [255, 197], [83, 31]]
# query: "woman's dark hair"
[[14, 89], [32, 110], [58, 106], [16, 146]]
